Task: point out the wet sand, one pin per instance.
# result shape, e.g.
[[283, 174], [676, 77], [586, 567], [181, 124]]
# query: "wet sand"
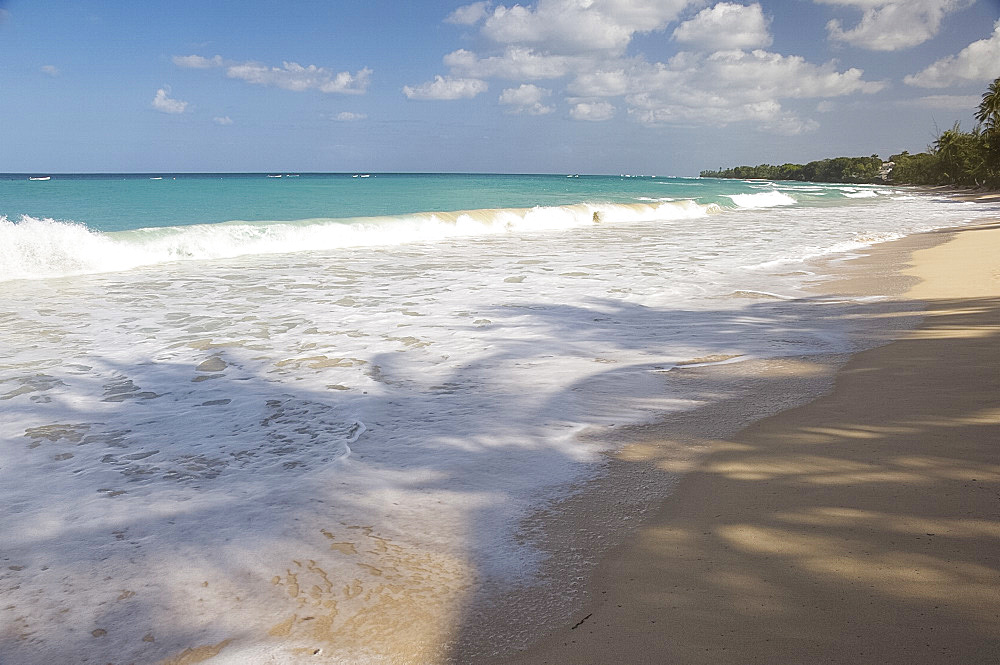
[[862, 527]]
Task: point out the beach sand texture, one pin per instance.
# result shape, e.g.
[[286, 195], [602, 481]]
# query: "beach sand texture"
[[862, 527]]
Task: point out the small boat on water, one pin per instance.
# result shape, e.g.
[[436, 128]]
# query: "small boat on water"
[[158, 178], [274, 176], [41, 177]]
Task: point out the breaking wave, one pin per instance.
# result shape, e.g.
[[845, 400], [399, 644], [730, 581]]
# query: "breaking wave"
[[33, 248], [761, 200]]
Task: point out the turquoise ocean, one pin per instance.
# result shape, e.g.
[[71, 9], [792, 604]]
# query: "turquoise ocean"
[[243, 405]]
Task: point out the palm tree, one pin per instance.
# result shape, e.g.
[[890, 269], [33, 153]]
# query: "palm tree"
[[989, 109], [989, 115], [961, 157]]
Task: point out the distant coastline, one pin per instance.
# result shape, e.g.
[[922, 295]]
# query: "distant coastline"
[[957, 158], [859, 170]]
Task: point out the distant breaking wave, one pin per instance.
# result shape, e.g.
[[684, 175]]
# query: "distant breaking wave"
[[34, 248], [761, 200]]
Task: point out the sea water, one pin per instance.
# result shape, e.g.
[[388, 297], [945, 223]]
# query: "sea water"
[[242, 408]]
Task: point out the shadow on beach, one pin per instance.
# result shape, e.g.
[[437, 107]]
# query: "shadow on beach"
[[796, 536], [859, 528]]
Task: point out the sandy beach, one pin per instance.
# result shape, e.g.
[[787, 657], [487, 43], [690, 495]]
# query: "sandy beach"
[[861, 527]]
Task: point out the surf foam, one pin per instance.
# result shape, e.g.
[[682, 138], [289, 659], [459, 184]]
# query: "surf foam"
[[33, 248], [770, 199]]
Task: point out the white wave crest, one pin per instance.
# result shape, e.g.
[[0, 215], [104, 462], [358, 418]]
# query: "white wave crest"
[[861, 194], [770, 199], [38, 248], [34, 248]]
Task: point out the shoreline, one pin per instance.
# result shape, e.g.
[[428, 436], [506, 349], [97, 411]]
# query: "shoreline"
[[619, 599], [300, 593]]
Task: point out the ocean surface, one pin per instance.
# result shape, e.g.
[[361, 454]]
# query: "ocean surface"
[[318, 407]]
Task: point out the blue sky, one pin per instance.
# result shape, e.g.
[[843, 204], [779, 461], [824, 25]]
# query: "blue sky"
[[664, 87]]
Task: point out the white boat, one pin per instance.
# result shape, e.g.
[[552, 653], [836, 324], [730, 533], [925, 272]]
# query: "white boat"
[[43, 177], [160, 178], [274, 176]]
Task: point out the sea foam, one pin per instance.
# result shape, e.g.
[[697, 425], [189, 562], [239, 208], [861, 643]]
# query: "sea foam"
[[33, 248], [356, 438], [761, 200]]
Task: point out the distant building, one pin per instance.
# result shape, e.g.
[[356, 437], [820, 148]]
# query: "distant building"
[[885, 173]]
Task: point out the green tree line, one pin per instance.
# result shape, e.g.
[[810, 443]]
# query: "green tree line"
[[964, 159]]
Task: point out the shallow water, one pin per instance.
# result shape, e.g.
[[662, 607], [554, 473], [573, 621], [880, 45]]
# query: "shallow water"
[[213, 431]]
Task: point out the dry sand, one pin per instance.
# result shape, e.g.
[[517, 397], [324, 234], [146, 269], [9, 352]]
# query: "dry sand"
[[862, 527]]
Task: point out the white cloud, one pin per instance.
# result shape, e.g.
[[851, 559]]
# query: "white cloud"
[[767, 115], [446, 88], [163, 102], [592, 111], [726, 26], [516, 63], [772, 75], [891, 25], [222, 120], [979, 61], [736, 86], [290, 76], [51, 70], [580, 26], [295, 77], [945, 102], [468, 14], [349, 116], [526, 99], [197, 61], [717, 81], [600, 84]]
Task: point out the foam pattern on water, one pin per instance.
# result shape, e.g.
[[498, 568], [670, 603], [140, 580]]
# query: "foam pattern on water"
[[335, 447]]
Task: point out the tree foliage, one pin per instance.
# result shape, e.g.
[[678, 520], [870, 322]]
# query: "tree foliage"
[[838, 169], [988, 114], [965, 159]]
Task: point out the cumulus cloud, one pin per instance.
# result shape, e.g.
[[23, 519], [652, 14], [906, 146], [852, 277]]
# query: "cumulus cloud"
[[295, 77], [766, 115], [725, 79], [468, 14], [446, 88], [197, 61], [349, 116], [723, 76], [162, 102], [51, 70], [737, 86], [891, 25], [516, 63], [290, 76], [592, 111], [526, 99], [580, 26], [222, 120], [979, 61], [726, 26], [773, 75], [601, 84]]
